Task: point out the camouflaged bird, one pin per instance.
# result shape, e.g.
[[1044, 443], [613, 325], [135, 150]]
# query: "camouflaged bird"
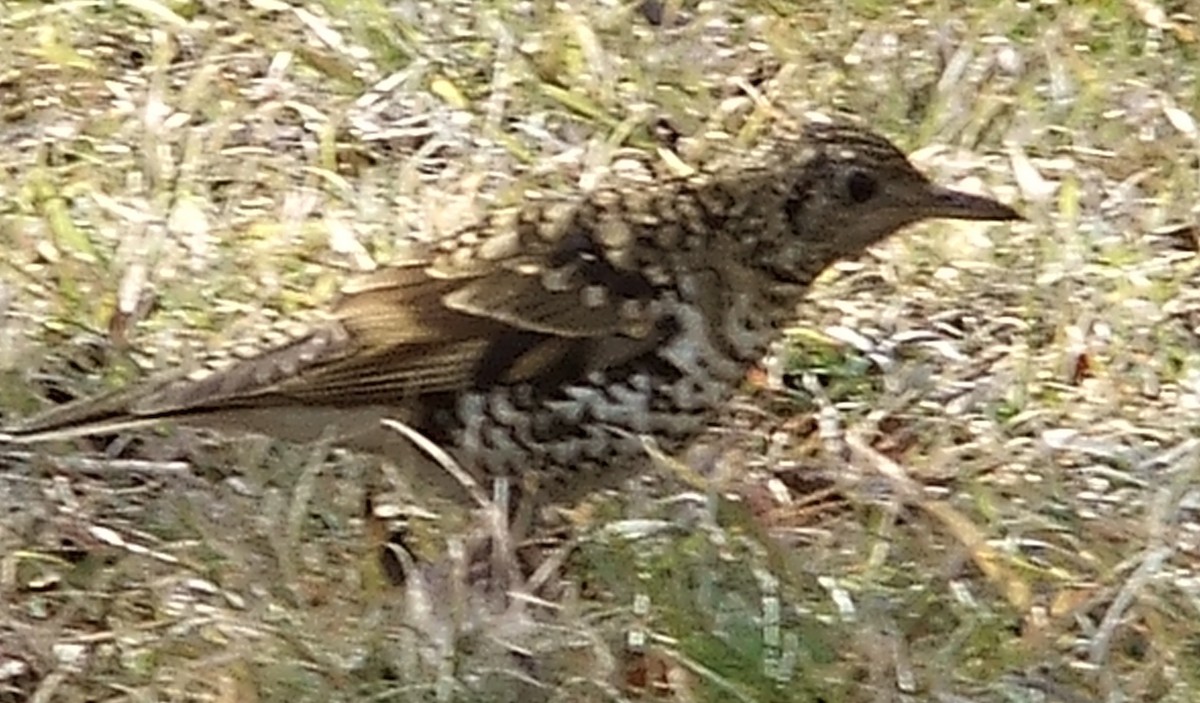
[[544, 341]]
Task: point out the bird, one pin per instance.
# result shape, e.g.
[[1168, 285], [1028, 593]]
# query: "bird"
[[546, 341]]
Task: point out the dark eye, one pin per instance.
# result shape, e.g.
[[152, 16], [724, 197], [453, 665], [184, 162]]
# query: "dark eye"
[[861, 187]]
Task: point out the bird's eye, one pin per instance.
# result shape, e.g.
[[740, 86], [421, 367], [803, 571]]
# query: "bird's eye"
[[861, 187]]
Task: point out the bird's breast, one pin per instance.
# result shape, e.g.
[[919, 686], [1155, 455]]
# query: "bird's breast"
[[591, 426]]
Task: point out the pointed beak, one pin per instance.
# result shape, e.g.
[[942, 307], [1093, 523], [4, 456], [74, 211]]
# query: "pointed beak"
[[956, 205]]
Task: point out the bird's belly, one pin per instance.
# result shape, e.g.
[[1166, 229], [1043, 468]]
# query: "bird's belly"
[[589, 433]]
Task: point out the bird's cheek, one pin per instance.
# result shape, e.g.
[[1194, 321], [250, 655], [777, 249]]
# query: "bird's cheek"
[[864, 233], [803, 260]]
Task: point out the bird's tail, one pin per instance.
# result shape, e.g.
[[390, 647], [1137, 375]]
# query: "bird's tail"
[[184, 394], [105, 414]]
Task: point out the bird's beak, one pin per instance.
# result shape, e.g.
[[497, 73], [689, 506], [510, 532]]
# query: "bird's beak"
[[956, 205]]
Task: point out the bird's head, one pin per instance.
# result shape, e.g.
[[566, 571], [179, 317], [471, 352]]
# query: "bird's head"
[[849, 189]]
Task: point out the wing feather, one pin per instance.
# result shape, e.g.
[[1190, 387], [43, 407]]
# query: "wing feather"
[[408, 331]]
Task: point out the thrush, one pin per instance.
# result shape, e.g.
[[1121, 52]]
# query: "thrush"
[[544, 342]]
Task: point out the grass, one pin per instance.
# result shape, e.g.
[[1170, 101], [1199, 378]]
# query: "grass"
[[970, 475]]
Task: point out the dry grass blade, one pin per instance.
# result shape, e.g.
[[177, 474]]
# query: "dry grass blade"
[[177, 177], [987, 558]]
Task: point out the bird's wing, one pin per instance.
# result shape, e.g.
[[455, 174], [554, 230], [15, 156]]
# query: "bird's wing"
[[406, 331]]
